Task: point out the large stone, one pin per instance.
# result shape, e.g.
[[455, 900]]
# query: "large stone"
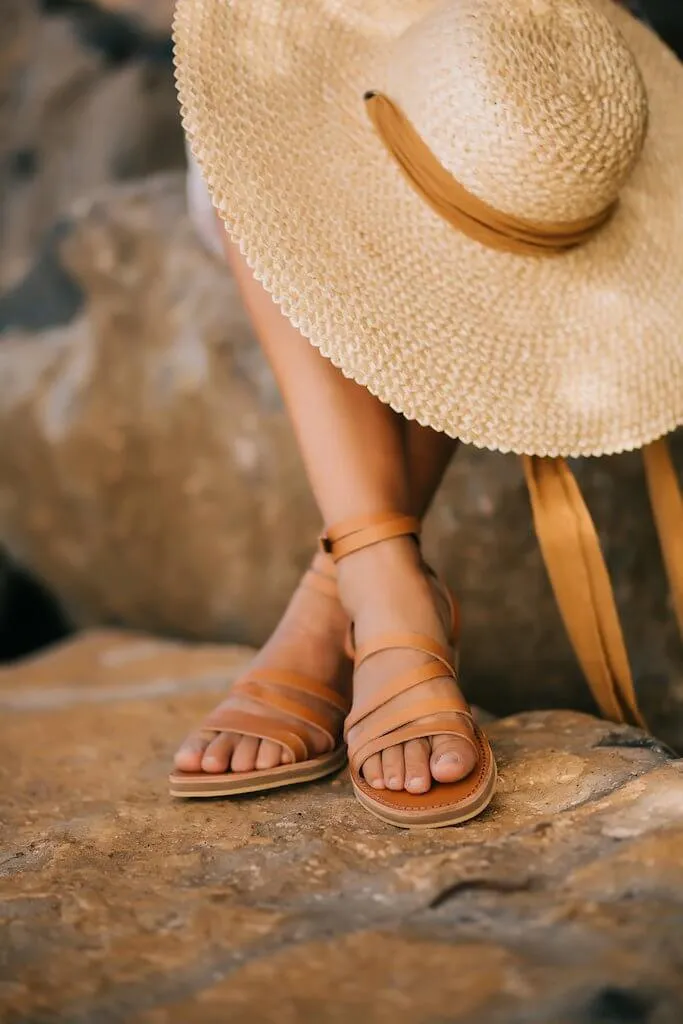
[[149, 475], [127, 351], [563, 904]]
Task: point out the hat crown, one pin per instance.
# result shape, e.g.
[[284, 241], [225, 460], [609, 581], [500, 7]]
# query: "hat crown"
[[536, 106]]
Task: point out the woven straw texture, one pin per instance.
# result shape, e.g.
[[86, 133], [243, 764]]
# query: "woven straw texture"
[[539, 108]]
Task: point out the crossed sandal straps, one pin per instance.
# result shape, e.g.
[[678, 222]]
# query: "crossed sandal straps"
[[375, 724], [284, 718]]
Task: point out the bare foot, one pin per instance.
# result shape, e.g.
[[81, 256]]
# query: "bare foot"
[[309, 640], [387, 591]]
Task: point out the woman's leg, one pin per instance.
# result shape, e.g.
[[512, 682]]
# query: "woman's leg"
[[309, 637], [384, 587], [427, 455]]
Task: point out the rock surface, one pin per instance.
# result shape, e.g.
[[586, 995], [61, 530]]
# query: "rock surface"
[[563, 904], [148, 473]]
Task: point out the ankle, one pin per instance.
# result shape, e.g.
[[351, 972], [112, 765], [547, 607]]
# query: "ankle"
[[383, 572], [322, 564]]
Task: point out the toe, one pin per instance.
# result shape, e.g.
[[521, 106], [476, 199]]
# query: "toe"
[[244, 756], [418, 778], [372, 770], [393, 767], [269, 755], [452, 758], [218, 752], [188, 756]]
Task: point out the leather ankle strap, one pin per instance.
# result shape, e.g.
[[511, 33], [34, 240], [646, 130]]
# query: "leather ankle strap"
[[354, 534]]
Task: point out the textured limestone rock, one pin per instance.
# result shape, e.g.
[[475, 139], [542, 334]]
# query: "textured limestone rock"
[[562, 905], [76, 111], [148, 473], [159, 383]]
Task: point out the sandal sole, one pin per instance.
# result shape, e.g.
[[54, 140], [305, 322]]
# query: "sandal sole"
[[201, 785], [474, 805]]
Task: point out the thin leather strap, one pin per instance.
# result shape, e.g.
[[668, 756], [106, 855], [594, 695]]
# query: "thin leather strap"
[[387, 720], [259, 726], [459, 207], [667, 508], [406, 642], [451, 603], [453, 618], [439, 718], [396, 688], [300, 684], [345, 538], [448, 723], [579, 577], [293, 708]]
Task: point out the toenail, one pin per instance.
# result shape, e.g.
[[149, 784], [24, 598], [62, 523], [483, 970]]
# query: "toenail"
[[394, 783], [377, 784], [415, 782], [449, 759]]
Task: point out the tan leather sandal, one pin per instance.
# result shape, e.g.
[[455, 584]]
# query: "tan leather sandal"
[[377, 726], [277, 691]]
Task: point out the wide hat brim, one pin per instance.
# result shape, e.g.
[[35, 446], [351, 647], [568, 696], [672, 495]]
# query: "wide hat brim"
[[579, 354]]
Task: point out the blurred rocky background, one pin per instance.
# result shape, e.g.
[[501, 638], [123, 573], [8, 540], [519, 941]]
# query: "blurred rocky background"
[[153, 504], [148, 476], [86, 101]]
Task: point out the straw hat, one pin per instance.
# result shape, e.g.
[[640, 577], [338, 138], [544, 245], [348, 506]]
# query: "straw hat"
[[547, 112]]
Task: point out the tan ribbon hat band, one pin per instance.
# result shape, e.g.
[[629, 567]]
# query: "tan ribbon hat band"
[[566, 532], [465, 211]]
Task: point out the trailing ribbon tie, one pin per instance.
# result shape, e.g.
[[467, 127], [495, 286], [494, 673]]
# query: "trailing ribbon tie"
[[579, 577], [459, 207], [667, 506]]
